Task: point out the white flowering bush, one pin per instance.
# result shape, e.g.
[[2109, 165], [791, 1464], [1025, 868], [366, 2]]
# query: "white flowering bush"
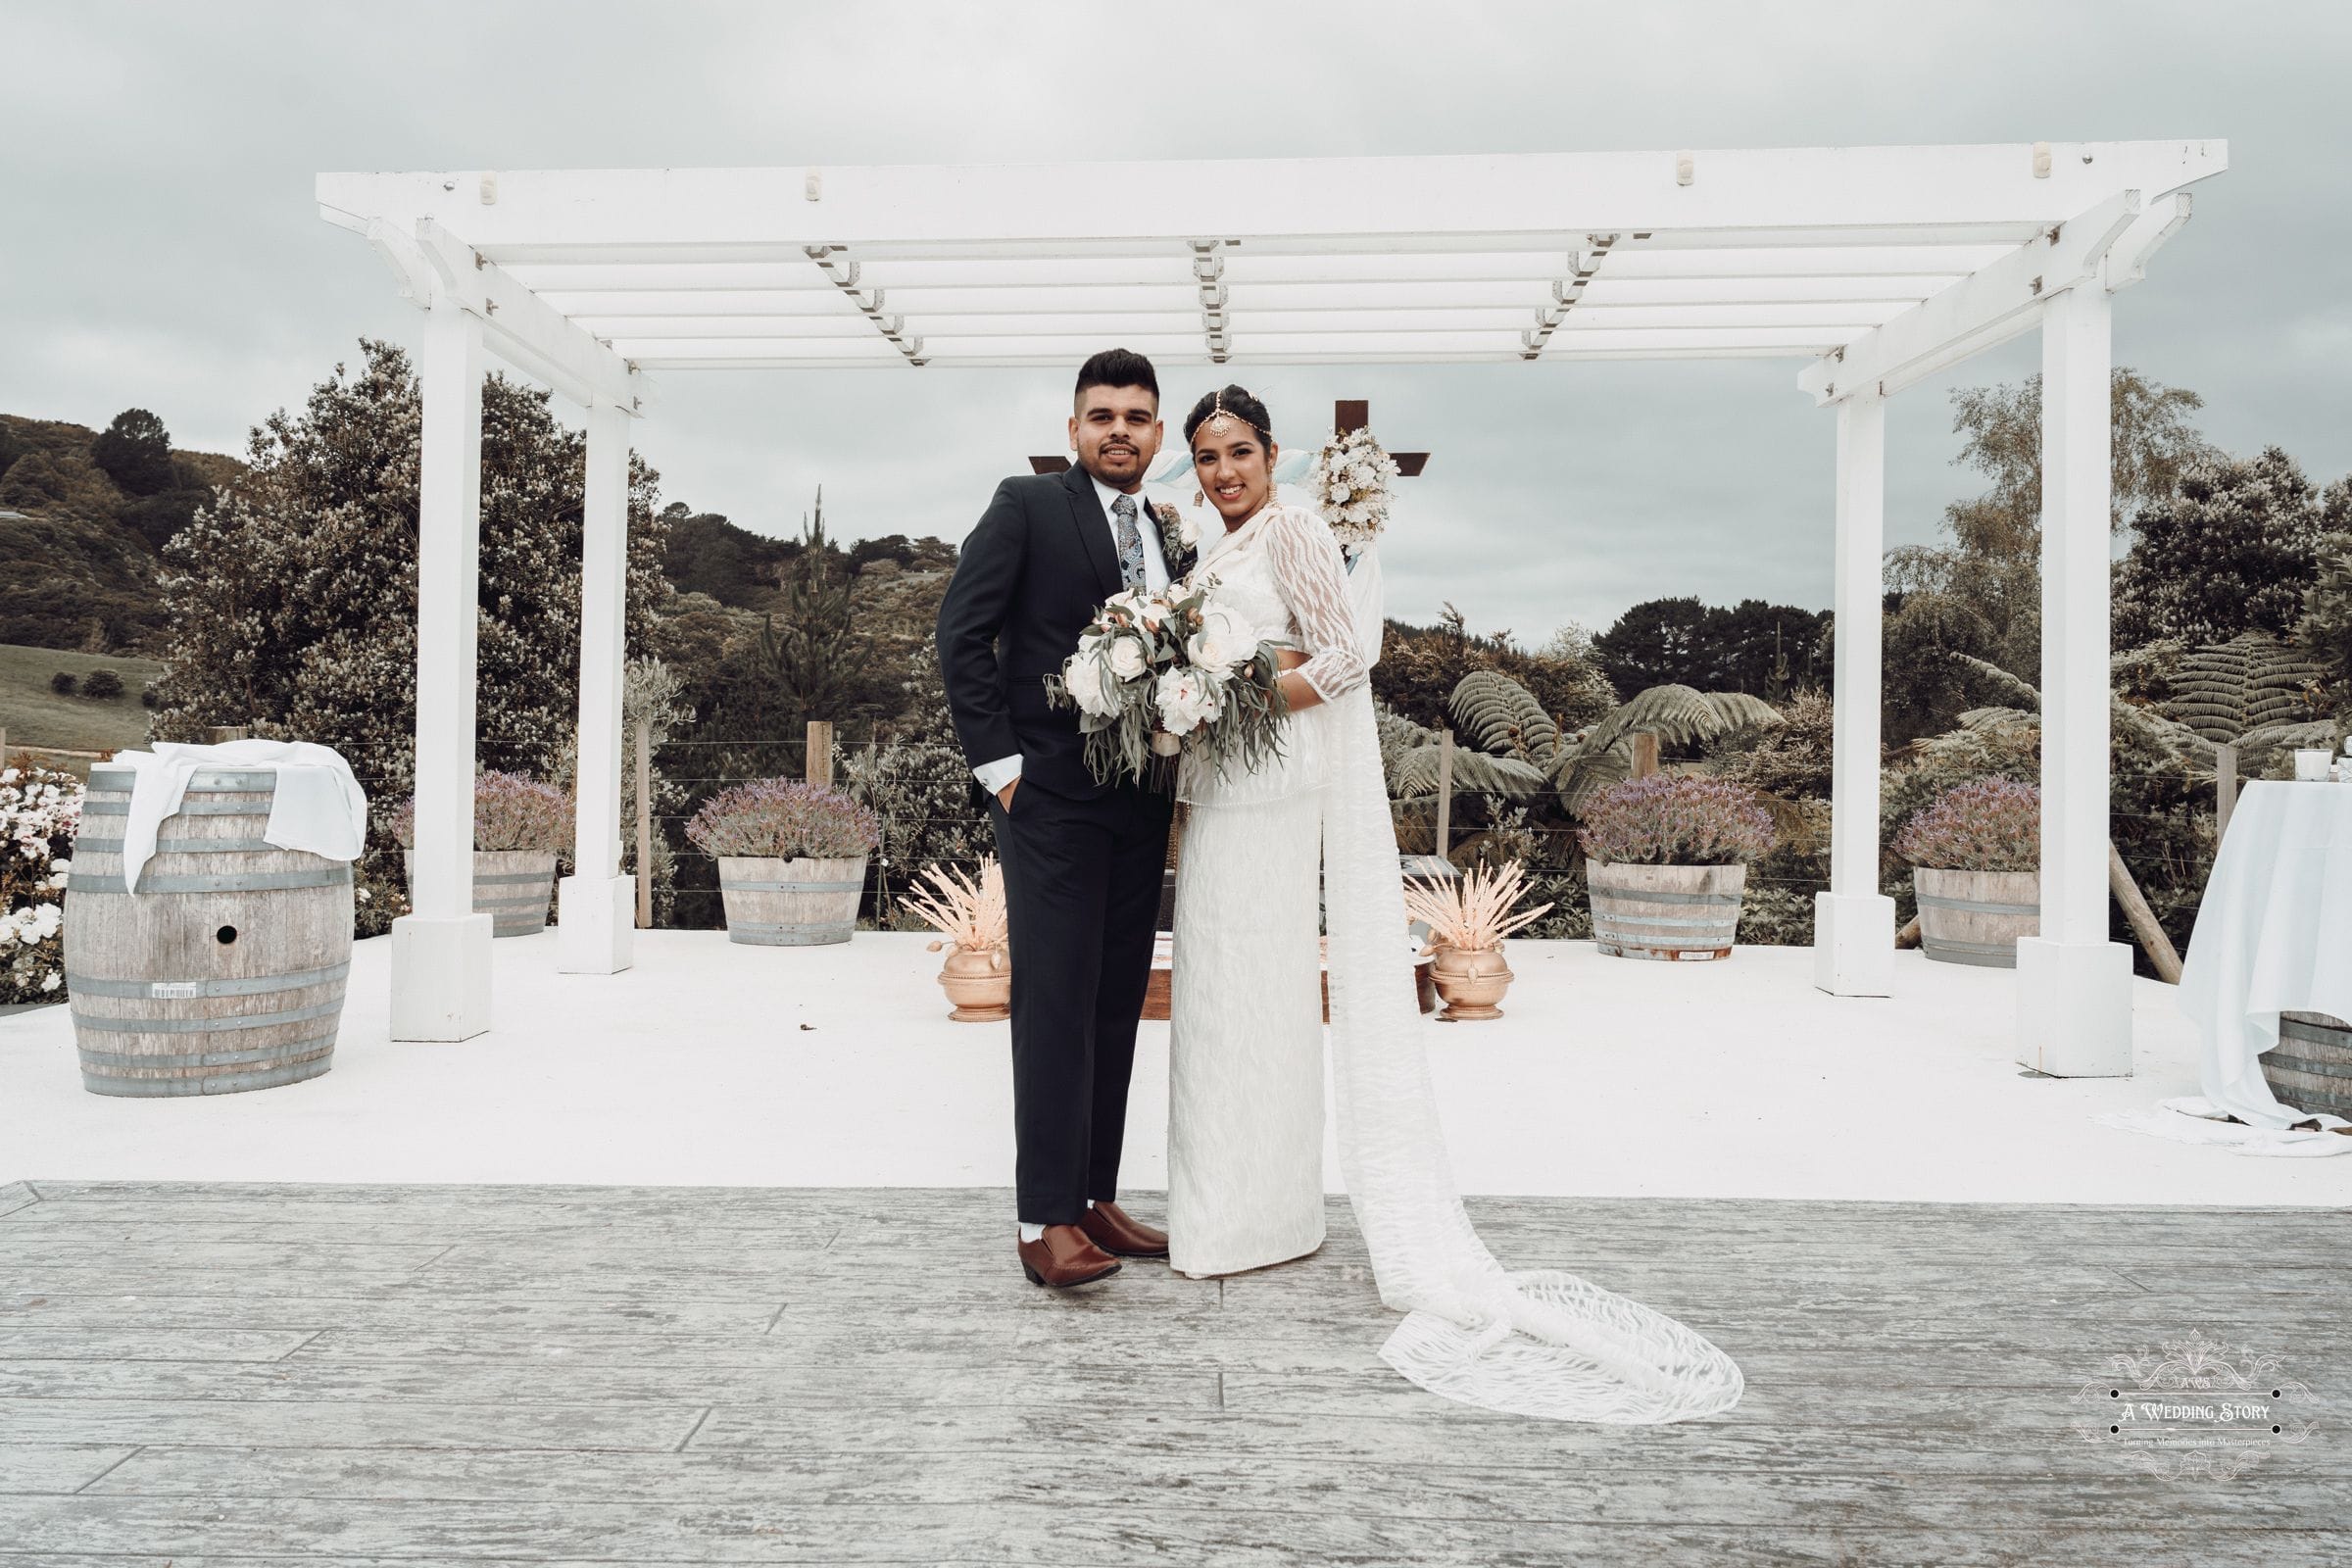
[[40, 812], [1351, 482]]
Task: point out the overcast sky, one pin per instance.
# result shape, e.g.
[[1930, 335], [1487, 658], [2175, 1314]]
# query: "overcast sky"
[[159, 245]]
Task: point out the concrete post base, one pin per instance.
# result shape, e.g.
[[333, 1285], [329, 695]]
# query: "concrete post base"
[[2074, 1008], [595, 917], [440, 977], [1853, 944]]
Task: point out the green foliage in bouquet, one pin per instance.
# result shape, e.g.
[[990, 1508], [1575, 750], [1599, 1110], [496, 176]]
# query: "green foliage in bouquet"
[[1148, 666]]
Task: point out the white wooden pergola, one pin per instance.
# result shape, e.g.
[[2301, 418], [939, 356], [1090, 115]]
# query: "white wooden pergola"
[[1874, 268]]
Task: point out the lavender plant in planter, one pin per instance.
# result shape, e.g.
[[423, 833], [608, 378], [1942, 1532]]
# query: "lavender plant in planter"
[[1666, 864], [791, 861], [1976, 859], [519, 826]]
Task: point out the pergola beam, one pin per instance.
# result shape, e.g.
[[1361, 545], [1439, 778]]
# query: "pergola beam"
[[1990, 305], [434, 265], [616, 213]]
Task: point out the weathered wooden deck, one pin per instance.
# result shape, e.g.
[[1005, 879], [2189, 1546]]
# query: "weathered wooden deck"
[[231, 1376]]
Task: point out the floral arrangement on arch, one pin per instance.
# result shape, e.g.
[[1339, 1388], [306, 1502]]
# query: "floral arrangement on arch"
[[510, 811], [1988, 824], [1673, 819], [1351, 482], [784, 819], [1155, 674], [41, 813]]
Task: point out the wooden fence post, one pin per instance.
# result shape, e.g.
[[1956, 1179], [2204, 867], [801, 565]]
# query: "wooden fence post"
[[2143, 919], [820, 752], [1645, 754], [1444, 792], [645, 823], [2225, 788]]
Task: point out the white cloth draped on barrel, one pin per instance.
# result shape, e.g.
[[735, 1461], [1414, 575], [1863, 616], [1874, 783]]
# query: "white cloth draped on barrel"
[[2274, 932], [317, 805]]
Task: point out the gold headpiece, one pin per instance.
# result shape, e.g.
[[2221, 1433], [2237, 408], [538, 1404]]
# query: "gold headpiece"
[[1219, 421]]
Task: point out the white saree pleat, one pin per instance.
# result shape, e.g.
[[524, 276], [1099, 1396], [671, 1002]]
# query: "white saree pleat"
[[1541, 1343]]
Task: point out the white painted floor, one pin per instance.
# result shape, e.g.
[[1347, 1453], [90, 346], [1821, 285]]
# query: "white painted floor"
[[711, 1063]]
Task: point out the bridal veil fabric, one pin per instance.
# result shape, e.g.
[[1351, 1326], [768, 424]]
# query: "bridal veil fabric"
[[1543, 1343]]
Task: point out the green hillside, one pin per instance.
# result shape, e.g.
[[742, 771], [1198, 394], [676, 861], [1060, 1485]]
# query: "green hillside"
[[80, 558], [34, 716]]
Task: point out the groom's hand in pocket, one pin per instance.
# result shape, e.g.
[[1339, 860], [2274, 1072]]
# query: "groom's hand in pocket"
[[1004, 795]]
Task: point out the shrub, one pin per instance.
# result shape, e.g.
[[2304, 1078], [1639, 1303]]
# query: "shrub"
[[510, 811], [103, 684], [1669, 820], [783, 818], [147, 697], [40, 812], [63, 683], [1993, 824]]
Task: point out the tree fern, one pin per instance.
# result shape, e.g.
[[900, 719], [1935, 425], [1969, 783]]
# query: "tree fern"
[[1503, 718], [2249, 684]]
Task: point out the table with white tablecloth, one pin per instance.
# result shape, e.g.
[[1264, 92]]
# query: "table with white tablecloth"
[[2273, 933]]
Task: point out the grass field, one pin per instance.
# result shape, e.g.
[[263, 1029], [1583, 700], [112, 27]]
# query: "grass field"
[[34, 716]]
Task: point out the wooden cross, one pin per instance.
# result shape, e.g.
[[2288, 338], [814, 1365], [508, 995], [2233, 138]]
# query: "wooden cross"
[[1353, 414]]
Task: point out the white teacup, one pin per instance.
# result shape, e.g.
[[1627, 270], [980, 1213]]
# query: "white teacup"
[[2311, 763]]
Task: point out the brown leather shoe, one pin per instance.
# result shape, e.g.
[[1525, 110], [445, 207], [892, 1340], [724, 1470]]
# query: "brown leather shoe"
[[1062, 1256], [1109, 1227]]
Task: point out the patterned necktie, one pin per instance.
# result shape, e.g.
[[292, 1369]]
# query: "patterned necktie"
[[1130, 543]]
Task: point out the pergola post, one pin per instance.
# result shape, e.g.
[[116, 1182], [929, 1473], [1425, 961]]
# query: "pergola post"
[[1853, 922], [2074, 986], [596, 913], [441, 951]]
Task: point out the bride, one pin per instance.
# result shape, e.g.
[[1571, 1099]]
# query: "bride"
[[1246, 1043]]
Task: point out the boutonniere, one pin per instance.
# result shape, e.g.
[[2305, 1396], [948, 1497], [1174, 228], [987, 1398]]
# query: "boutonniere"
[[1175, 528]]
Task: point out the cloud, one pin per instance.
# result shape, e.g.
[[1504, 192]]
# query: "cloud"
[[161, 247]]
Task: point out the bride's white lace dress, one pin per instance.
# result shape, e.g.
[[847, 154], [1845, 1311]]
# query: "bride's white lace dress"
[[1245, 1062]]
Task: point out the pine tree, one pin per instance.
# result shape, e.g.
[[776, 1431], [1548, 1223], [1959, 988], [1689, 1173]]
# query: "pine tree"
[[135, 452]]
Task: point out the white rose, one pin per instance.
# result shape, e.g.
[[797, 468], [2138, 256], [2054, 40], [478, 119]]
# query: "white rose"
[[1186, 697], [49, 981], [1082, 678], [1188, 532], [1222, 641], [47, 918], [1128, 657]]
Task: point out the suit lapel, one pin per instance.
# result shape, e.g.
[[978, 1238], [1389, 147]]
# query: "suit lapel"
[[1093, 528]]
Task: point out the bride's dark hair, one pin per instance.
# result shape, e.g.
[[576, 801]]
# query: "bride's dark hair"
[[1238, 403]]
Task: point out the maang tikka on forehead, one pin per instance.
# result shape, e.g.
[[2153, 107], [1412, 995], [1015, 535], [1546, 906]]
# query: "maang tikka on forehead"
[[1220, 421]]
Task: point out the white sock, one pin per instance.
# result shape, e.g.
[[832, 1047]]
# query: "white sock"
[[1030, 1233]]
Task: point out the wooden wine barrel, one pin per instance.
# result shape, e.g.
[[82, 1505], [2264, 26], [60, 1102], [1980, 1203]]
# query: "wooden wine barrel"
[[226, 971], [1976, 917], [1665, 911], [799, 903], [513, 887], [2311, 1066]]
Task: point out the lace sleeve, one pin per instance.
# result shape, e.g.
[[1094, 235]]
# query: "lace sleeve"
[[1314, 582]]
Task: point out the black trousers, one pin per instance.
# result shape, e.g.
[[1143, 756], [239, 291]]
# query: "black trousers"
[[1082, 881]]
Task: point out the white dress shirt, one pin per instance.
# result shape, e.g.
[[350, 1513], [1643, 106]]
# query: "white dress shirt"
[[994, 777]]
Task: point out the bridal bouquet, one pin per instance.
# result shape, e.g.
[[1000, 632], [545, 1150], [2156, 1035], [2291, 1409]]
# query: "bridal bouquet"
[[1350, 484], [1155, 674]]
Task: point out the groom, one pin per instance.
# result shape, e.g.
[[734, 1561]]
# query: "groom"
[[1082, 859]]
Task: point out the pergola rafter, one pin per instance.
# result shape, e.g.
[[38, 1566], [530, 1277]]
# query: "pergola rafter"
[[1872, 267]]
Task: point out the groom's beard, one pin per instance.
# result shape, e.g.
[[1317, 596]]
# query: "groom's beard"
[[1118, 465]]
